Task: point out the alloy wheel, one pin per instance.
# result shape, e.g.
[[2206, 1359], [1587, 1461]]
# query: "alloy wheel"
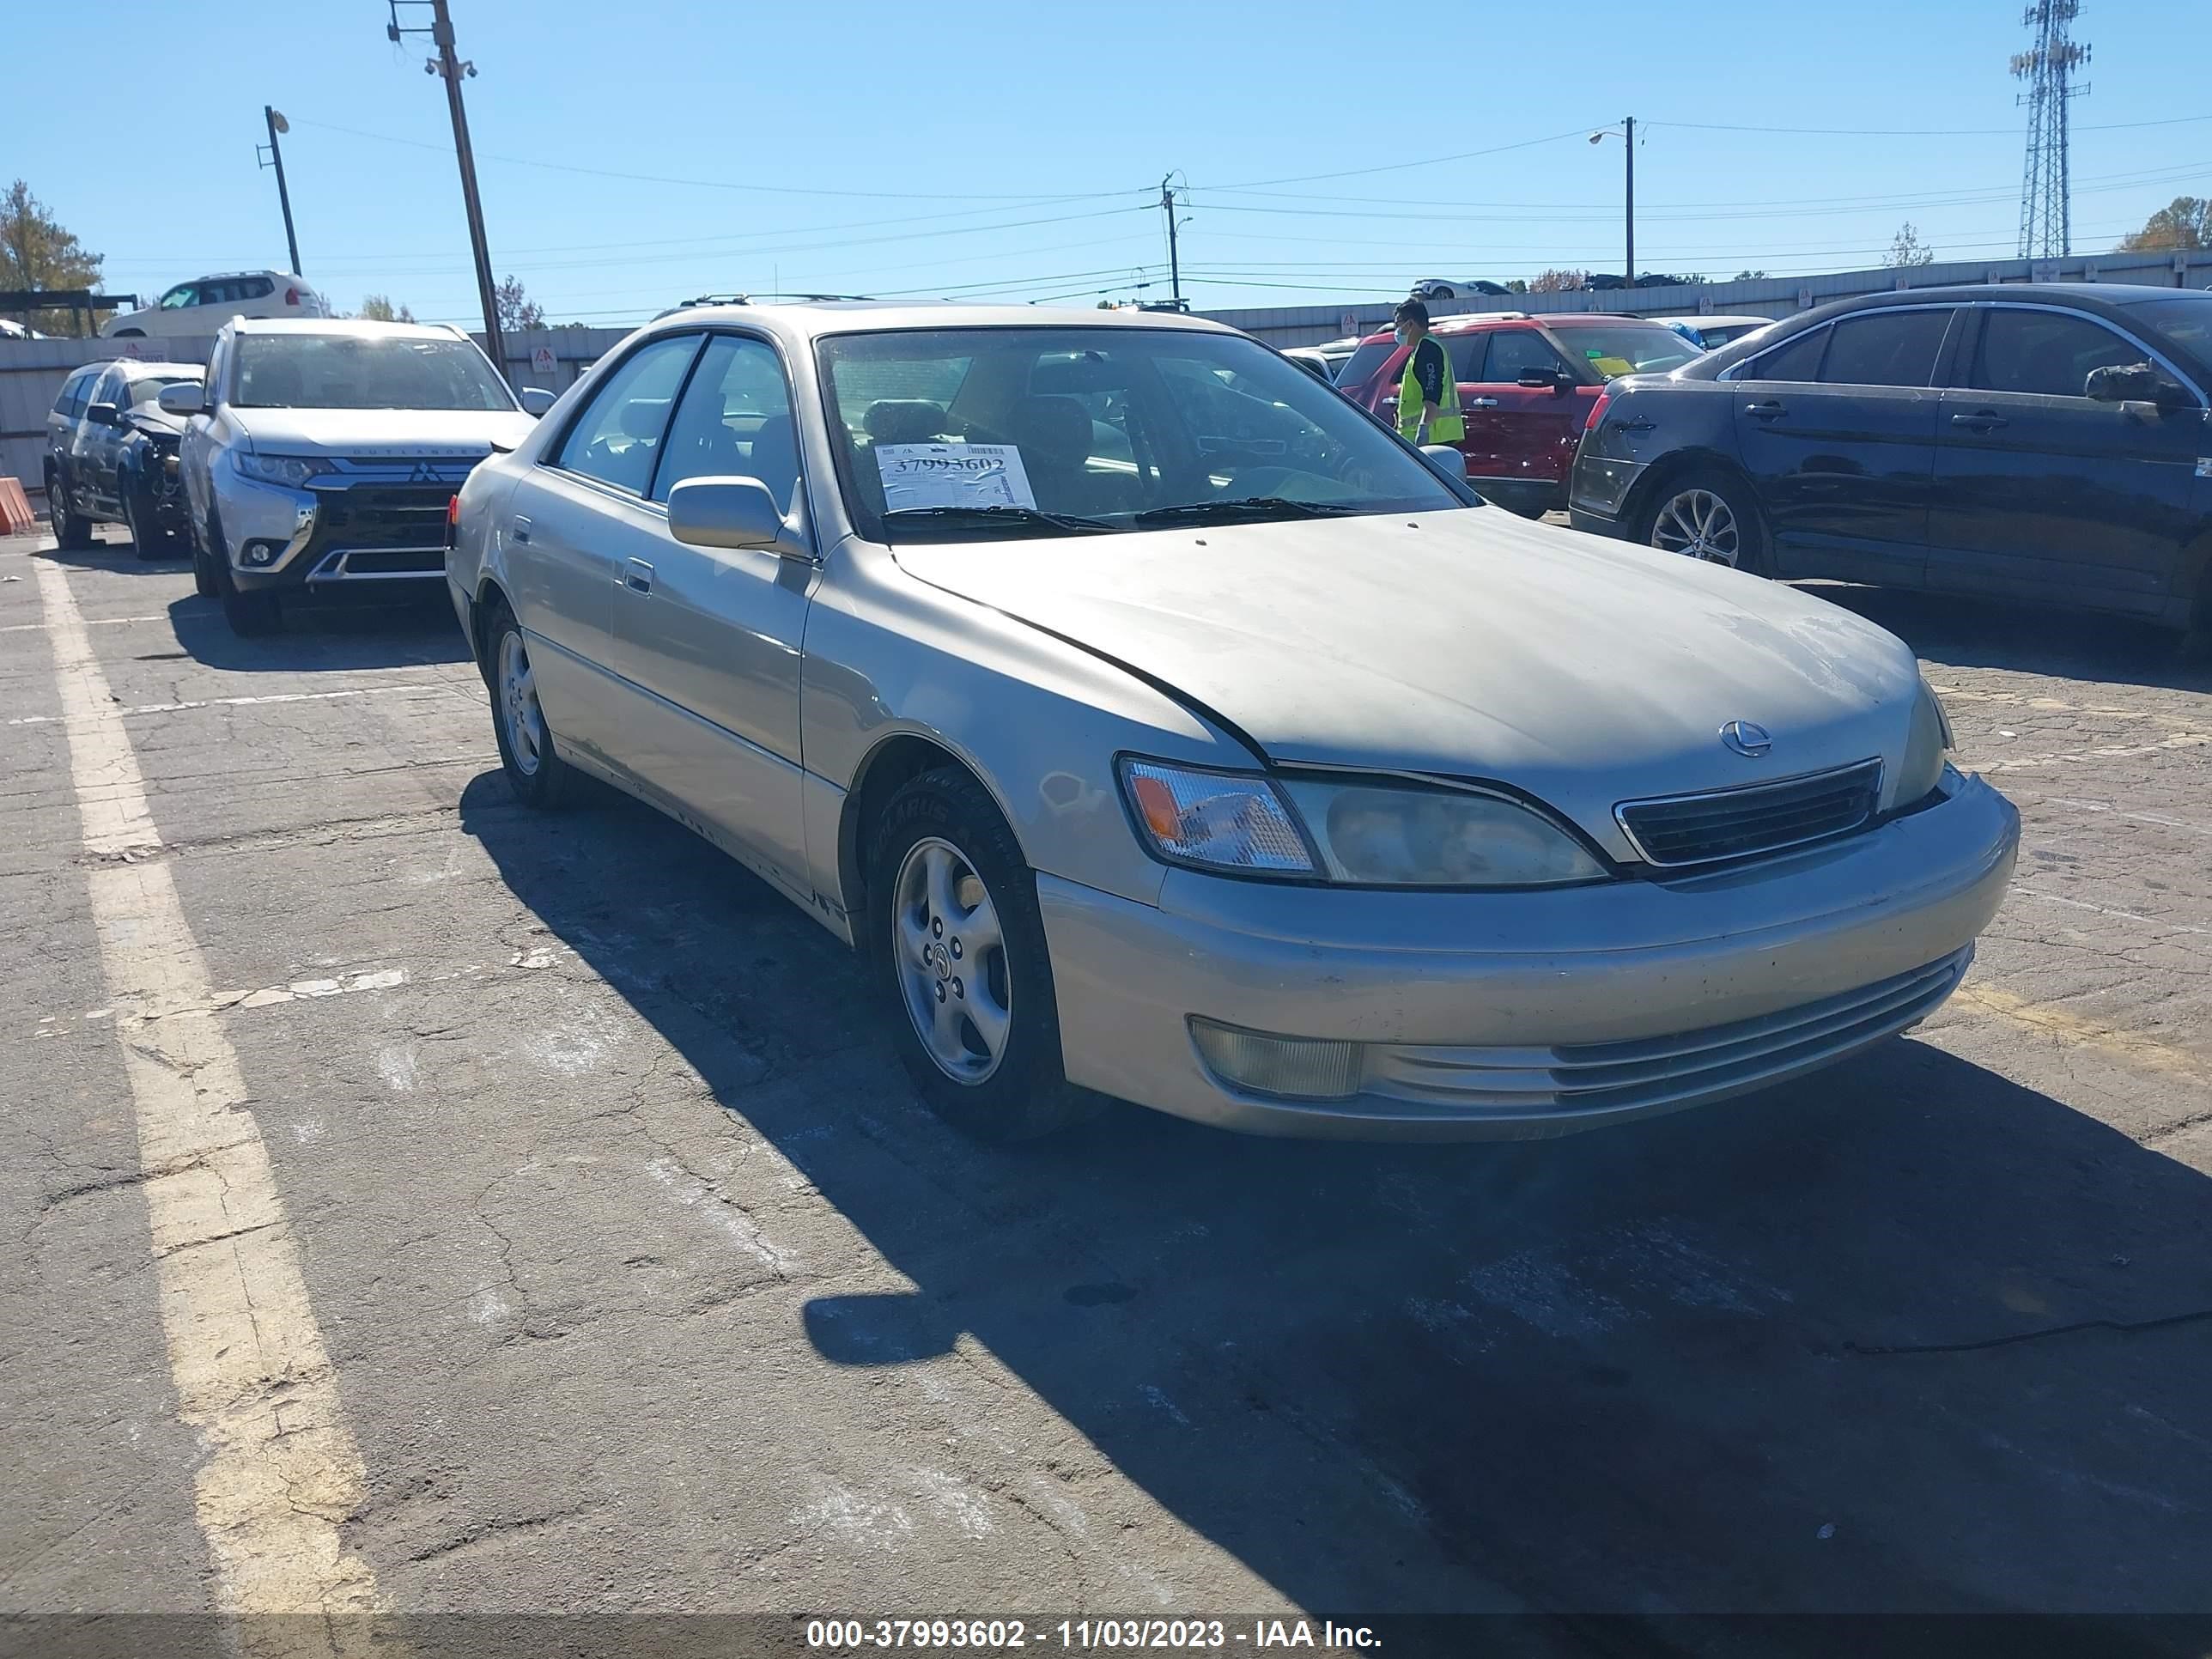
[[951, 958], [519, 712], [1699, 524]]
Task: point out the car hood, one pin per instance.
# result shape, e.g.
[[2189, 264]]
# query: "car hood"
[[156, 421], [1466, 644], [381, 431]]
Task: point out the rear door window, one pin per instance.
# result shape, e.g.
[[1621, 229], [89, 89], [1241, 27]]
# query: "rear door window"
[[2045, 353], [256, 287], [71, 402], [617, 436], [1885, 348]]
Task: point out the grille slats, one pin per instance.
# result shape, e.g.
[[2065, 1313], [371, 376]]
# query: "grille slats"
[[1732, 824]]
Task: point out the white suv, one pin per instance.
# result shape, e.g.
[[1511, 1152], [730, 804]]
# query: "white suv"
[[325, 454], [206, 303]]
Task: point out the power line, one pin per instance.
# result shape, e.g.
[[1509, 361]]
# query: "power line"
[[1582, 131]]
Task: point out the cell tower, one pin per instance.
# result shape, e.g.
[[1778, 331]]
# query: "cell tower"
[[2046, 227]]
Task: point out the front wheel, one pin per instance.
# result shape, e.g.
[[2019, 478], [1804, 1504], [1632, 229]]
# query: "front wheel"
[[538, 776], [959, 945], [1708, 516], [148, 541]]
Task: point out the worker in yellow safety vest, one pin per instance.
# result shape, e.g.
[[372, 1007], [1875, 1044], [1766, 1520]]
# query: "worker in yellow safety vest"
[[1428, 397]]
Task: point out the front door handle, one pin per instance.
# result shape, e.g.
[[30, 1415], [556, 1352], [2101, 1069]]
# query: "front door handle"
[[520, 529], [1769, 411], [639, 578], [1482, 403], [1982, 420]]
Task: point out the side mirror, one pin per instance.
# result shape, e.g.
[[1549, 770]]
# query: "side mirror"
[[105, 414], [1557, 381], [2134, 383], [536, 399], [183, 398], [1447, 460], [730, 512]]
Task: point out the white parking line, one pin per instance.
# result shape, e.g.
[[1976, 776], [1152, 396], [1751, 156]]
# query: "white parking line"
[[280, 1471], [87, 622], [434, 687]]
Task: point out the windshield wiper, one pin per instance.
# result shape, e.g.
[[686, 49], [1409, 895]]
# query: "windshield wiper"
[[994, 516], [1250, 507]]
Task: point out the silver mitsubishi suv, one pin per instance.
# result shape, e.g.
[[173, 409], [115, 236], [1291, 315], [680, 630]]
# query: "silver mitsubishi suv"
[[324, 454]]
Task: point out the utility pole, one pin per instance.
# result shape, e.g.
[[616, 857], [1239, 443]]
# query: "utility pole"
[[1629, 123], [451, 68], [278, 123], [2046, 214], [1174, 264]]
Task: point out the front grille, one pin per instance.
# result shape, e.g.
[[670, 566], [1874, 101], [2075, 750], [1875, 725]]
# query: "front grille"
[[1763, 818], [381, 516], [1651, 1073]]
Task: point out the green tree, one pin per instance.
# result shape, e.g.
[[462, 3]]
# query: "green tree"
[[1907, 249], [379, 308], [2183, 223], [36, 252], [517, 310], [1517, 285], [1749, 275]]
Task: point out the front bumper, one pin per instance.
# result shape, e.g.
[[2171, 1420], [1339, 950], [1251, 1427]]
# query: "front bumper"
[[279, 537], [1530, 1014]]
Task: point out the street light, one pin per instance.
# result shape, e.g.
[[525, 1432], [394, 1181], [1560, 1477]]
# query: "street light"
[[1626, 133]]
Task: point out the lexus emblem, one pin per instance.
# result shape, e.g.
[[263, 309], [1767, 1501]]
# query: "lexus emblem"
[[1747, 739]]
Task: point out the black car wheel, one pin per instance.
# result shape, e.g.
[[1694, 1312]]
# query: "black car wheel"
[[72, 529], [147, 539], [1709, 516]]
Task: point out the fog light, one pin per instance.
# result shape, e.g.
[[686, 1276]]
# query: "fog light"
[[259, 552], [1299, 1068]]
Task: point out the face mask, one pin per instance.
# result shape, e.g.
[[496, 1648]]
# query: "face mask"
[[1399, 335]]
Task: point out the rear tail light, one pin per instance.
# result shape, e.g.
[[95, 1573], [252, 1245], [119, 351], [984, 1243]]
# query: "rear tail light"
[[453, 525], [1597, 410], [291, 296]]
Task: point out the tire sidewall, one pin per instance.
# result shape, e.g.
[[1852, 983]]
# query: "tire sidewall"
[[545, 787], [1025, 1094]]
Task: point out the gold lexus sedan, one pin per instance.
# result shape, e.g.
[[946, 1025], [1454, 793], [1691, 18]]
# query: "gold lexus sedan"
[[1161, 726]]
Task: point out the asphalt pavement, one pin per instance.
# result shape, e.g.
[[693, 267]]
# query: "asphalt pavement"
[[630, 1276]]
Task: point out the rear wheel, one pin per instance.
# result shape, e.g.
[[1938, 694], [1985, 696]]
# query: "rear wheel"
[[953, 923], [72, 529], [1709, 516], [539, 777]]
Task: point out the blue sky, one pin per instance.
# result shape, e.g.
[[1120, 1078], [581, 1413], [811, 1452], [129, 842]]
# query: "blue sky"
[[634, 154]]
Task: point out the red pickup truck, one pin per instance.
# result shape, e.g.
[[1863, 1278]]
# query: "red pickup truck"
[[1526, 385]]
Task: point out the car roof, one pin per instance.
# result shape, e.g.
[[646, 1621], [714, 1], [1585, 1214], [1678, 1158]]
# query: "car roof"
[[358, 327], [800, 323], [137, 368], [1715, 322], [231, 275]]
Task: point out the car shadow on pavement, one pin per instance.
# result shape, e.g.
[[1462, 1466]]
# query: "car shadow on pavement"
[[1906, 1337], [2076, 645], [325, 635]]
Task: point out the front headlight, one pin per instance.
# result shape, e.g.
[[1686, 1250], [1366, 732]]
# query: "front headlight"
[[1359, 834], [293, 470], [1927, 749]]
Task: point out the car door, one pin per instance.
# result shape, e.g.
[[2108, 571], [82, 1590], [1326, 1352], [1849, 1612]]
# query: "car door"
[[1518, 434], [195, 448], [63, 419], [1836, 430], [569, 528], [98, 447], [177, 312], [711, 637], [2045, 494]]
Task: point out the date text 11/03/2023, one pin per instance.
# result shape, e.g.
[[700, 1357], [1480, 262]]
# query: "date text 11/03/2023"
[[1083, 1635]]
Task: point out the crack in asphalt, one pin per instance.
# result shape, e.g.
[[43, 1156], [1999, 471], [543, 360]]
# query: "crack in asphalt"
[[2123, 1326]]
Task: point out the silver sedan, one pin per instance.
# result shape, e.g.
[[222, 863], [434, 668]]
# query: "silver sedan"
[[1160, 727]]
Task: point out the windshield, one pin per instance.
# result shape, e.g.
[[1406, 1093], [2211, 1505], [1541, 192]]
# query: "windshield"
[[1360, 368], [147, 387], [1616, 349], [2185, 324], [957, 434], [347, 371]]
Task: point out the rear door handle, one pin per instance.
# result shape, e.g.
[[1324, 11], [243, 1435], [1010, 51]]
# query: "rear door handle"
[[1482, 403], [1982, 420], [1768, 410], [520, 529], [640, 576]]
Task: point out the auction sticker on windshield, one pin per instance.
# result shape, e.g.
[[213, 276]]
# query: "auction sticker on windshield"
[[952, 475]]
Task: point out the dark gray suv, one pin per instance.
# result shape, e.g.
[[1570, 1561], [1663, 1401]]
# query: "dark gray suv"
[[112, 456]]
